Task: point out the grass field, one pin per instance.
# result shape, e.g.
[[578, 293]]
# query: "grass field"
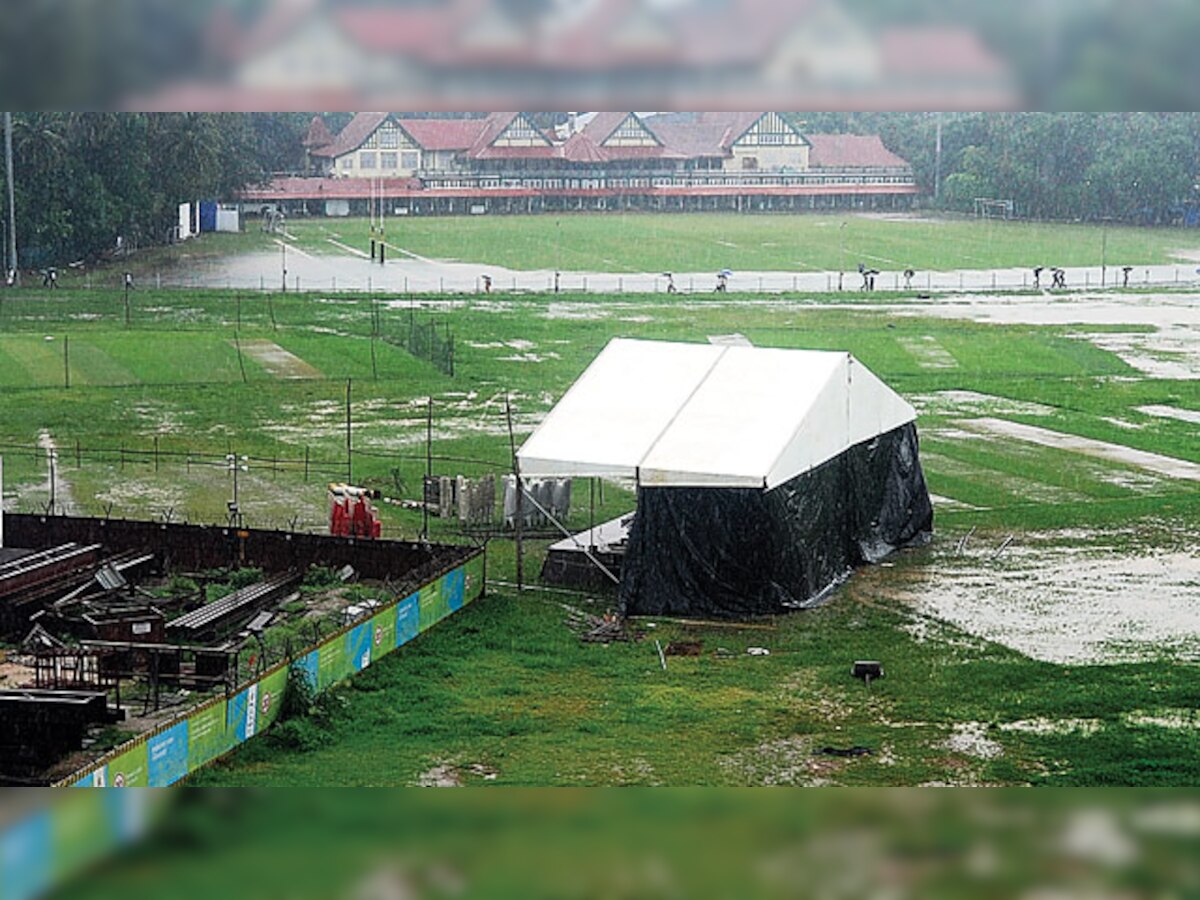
[[697, 243], [505, 689]]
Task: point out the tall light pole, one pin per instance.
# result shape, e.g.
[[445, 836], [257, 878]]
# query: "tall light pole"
[[1104, 250], [842, 245], [11, 255], [236, 464]]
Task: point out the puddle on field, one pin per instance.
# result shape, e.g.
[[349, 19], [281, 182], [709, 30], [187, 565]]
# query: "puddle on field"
[[1172, 412], [1063, 603], [1118, 453], [974, 403]]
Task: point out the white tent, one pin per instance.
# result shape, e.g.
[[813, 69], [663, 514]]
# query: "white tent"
[[697, 415]]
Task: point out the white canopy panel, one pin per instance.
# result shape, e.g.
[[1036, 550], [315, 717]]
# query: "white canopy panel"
[[696, 415]]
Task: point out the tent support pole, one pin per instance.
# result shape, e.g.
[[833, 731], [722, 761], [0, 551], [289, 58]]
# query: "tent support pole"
[[520, 515], [592, 514], [557, 524], [428, 470]]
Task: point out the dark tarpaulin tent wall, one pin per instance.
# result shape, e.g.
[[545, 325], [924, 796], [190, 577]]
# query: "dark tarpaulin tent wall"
[[763, 475], [732, 552]]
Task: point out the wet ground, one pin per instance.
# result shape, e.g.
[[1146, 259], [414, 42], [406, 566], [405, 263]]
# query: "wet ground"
[[345, 268], [1062, 597]]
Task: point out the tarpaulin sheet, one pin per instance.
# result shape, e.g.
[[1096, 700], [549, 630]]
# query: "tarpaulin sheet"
[[734, 552]]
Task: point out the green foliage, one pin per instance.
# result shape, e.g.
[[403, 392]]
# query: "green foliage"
[[1132, 167], [85, 179], [321, 577]]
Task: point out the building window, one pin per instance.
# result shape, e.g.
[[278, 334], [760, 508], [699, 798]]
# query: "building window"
[[750, 162], [389, 137], [410, 160], [387, 160], [347, 162], [367, 160]]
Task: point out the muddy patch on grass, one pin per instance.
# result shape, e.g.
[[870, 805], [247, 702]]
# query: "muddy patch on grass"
[[1118, 453], [279, 362], [1191, 416], [1064, 603], [928, 352], [454, 775], [973, 403], [1054, 727], [971, 739], [791, 761]]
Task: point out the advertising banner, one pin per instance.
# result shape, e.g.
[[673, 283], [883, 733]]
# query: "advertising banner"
[[359, 640], [383, 633], [207, 737], [129, 769], [433, 605], [25, 857], [167, 755], [453, 586], [332, 665], [270, 697], [408, 618]]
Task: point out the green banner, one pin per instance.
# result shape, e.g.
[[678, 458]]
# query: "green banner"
[[474, 578], [270, 697], [129, 769], [81, 831], [207, 738], [332, 665], [433, 605], [383, 631]]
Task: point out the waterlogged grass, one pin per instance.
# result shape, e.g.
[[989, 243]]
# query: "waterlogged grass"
[[634, 242], [505, 686]]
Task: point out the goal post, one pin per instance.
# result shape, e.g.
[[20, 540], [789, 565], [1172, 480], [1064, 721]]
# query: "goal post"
[[992, 208]]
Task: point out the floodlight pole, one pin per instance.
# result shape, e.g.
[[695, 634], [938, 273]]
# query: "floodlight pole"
[[842, 246], [11, 255], [1104, 251]]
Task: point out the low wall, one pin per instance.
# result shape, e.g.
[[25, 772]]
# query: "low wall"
[[195, 738], [54, 835]]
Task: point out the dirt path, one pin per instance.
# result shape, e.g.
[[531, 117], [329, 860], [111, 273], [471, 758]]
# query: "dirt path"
[[1151, 462], [279, 362], [60, 489]]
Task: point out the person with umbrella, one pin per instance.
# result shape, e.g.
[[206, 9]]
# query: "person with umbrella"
[[723, 280]]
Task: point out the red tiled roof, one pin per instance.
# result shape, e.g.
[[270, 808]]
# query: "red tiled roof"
[[404, 30], [443, 134], [318, 134], [603, 124], [361, 127], [580, 148], [946, 52], [851, 151], [694, 140]]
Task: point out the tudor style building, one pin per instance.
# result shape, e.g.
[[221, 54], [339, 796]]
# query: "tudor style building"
[[504, 162]]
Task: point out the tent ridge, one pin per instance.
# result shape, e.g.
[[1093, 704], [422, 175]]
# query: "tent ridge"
[[682, 406]]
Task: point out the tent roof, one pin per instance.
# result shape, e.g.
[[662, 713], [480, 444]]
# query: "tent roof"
[[671, 414]]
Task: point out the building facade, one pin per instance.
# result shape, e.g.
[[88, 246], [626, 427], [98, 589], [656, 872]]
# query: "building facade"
[[503, 162]]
